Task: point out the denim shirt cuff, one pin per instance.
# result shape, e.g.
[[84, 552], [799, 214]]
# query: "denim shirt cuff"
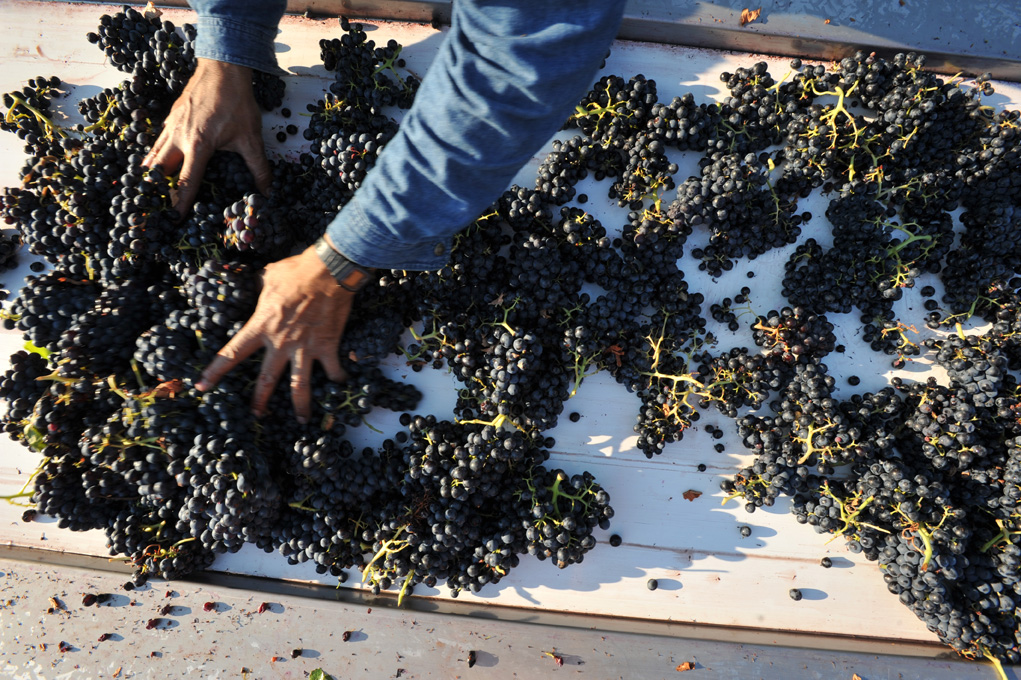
[[237, 42], [370, 245]]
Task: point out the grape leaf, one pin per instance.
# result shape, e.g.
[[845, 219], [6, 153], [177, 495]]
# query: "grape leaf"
[[750, 15]]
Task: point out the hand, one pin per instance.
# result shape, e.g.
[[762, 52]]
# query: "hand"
[[299, 319], [216, 110]]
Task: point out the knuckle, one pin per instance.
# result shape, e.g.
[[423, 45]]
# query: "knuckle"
[[266, 380], [229, 354]]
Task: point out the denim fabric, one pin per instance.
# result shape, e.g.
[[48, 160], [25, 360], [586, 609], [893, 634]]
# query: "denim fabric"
[[239, 32], [507, 75]]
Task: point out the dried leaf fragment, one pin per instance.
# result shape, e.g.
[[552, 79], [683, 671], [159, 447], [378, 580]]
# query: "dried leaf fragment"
[[750, 15], [169, 388], [691, 494], [827, 21], [856, 676], [686, 666]]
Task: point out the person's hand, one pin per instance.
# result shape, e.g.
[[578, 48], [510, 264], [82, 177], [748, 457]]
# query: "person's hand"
[[216, 110], [299, 319]]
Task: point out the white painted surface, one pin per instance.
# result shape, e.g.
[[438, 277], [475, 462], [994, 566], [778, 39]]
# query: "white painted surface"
[[707, 572]]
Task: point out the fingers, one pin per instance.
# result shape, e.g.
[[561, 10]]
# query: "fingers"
[[254, 153], [331, 364], [164, 154], [241, 346], [301, 374], [192, 169], [150, 158], [273, 365]]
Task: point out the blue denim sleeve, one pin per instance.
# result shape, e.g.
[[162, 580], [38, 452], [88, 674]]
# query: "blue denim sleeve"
[[239, 32], [507, 75]]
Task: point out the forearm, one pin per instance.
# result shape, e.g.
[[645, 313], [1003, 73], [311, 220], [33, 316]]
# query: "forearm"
[[504, 81], [239, 32]]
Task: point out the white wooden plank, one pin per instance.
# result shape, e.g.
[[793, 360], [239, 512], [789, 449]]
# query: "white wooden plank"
[[707, 572]]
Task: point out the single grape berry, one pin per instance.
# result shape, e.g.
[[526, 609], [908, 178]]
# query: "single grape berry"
[[746, 531], [826, 563], [615, 540], [575, 416], [652, 584], [795, 594], [853, 380]]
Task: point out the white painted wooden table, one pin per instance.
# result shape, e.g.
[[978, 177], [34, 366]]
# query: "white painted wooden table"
[[707, 572]]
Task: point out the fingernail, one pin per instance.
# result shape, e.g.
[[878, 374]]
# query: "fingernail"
[[201, 386], [256, 414], [302, 420]]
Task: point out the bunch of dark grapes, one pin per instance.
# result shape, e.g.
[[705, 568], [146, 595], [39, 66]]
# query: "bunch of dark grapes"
[[347, 158], [745, 211], [365, 72], [794, 335], [259, 226], [928, 482]]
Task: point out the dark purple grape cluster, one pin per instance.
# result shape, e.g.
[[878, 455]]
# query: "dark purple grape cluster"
[[537, 296]]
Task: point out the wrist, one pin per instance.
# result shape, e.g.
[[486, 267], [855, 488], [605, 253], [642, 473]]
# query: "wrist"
[[348, 275], [224, 72]]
